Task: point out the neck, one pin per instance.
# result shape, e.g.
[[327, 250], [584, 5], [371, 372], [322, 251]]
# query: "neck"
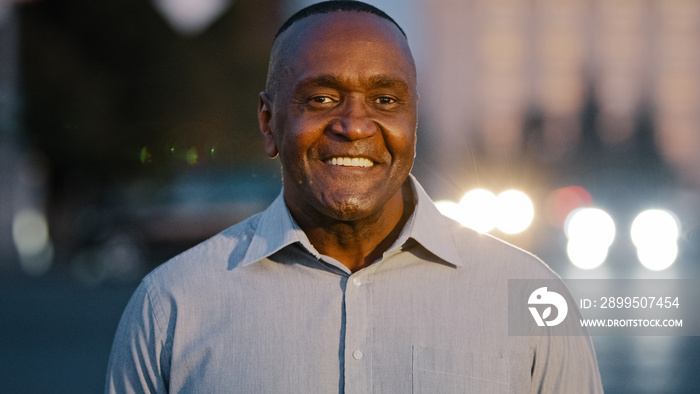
[[357, 244]]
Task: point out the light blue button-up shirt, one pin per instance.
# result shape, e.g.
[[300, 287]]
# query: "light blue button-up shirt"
[[256, 309]]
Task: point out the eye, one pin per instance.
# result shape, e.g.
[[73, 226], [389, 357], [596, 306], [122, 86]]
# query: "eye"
[[320, 100], [385, 100]]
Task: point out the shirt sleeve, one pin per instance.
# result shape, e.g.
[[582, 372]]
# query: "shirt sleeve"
[[136, 361], [565, 364]]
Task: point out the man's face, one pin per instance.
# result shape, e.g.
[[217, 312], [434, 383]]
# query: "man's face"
[[343, 116]]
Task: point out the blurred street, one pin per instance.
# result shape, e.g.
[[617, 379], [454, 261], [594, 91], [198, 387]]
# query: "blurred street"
[[55, 334]]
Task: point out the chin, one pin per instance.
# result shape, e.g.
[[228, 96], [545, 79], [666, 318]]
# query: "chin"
[[350, 209]]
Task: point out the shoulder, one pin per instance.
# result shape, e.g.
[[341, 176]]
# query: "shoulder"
[[487, 253], [466, 248], [206, 261]]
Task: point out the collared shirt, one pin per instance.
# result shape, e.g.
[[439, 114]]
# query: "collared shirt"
[[257, 309]]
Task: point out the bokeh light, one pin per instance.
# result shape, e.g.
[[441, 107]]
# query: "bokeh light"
[[561, 202], [145, 155], [478, 208], [450, 209], [30, 233], [654, 226], [192, 156], [655, 234], [657, 257], [590, 231], [514, 211], [585, 255], [592, 224], [191, 17]]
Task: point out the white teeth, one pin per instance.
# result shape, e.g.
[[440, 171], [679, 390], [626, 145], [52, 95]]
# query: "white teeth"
[[351, 161]]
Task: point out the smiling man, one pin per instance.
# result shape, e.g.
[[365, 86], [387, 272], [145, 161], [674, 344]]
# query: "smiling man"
[[340, 109], [351, 281]]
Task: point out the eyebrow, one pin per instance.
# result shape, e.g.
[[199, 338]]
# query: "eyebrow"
[[375, 81], [321, 81]]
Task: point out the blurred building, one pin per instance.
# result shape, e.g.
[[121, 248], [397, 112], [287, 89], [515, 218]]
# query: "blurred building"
[[511, 77]]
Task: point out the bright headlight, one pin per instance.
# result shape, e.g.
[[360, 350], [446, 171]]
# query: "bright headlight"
[[655, 234], [591, 231]]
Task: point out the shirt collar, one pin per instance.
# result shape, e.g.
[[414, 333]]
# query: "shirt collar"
[[430, 228], [277, 229]]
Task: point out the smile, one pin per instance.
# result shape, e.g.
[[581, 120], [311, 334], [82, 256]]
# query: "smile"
[[351, 162]]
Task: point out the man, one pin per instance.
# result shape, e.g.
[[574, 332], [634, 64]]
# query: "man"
[[351, 281]]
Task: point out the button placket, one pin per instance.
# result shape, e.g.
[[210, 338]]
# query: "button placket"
[[357, 365]]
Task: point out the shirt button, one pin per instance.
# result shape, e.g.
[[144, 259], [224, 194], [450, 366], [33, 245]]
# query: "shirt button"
[[357, 355], [357, 282]]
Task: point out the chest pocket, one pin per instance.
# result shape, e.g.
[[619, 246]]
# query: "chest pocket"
[[447, 371]]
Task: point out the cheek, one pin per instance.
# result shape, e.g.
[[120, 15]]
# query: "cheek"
[[402, 142], [298, 141]]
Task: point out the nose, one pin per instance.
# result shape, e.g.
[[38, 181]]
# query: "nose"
[[354, 120]]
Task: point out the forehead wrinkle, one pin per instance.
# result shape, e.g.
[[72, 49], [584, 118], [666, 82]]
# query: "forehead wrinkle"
[[326, 80], [387, 81]]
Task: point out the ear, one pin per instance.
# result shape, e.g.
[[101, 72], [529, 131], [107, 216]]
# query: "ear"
[[264, 123], [415, 142]]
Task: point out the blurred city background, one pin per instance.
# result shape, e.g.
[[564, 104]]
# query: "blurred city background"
[[128, 133]]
